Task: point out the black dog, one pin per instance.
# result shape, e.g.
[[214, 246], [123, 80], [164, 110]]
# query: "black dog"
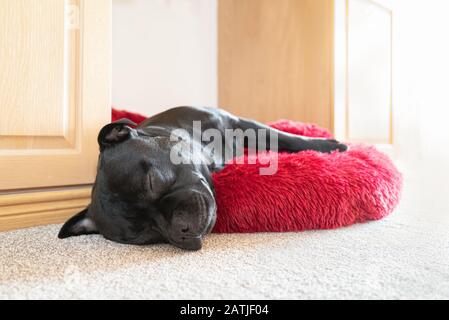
[[141, 197]]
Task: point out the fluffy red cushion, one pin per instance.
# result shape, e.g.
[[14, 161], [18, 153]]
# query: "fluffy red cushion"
[[310, 190], [120, 114]]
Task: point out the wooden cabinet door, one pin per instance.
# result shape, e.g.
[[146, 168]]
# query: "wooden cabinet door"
[[54, 90], [276, 59]]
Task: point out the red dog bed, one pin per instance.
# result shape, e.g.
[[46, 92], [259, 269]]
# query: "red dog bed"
[[310, 190]]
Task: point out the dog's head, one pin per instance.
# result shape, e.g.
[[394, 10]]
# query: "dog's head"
[[141, 197]]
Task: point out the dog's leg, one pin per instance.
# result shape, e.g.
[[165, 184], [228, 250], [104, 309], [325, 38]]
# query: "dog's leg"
[[289, 142]]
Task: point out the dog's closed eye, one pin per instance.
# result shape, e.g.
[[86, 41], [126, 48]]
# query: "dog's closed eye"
[[141, 196], [145, 164]]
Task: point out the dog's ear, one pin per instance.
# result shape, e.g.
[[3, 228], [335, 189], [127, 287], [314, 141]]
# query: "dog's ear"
[[78, 225], [115, 132]]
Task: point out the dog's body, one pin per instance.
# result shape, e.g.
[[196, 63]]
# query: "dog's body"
[[140, 196]]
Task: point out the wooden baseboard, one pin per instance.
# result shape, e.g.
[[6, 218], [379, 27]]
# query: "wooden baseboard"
[[29, 209]]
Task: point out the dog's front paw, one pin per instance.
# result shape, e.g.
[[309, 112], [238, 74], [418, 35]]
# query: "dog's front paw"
[[329, 145]]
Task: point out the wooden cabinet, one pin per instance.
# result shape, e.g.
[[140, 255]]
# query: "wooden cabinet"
[[54, 98], [276, 59]]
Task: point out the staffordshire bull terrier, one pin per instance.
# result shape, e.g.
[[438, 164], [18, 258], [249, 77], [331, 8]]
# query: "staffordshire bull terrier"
[[141, 196]]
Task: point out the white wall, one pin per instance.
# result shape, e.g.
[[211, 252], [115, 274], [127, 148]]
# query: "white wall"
[[164, 54]]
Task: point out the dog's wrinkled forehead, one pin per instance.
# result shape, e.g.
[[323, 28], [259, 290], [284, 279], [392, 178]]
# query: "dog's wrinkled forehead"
[[137, 151]]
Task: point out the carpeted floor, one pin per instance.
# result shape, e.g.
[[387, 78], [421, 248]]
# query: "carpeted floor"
[[404, 256]]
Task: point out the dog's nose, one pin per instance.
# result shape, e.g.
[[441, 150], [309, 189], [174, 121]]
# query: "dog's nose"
[[185, 230], [180, 223]]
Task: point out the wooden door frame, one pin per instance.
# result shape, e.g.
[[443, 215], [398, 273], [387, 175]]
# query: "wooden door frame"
[[341, 71]]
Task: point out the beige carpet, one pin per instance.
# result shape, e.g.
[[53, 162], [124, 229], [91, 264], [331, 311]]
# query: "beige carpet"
[[377, 260], [404, 256]]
